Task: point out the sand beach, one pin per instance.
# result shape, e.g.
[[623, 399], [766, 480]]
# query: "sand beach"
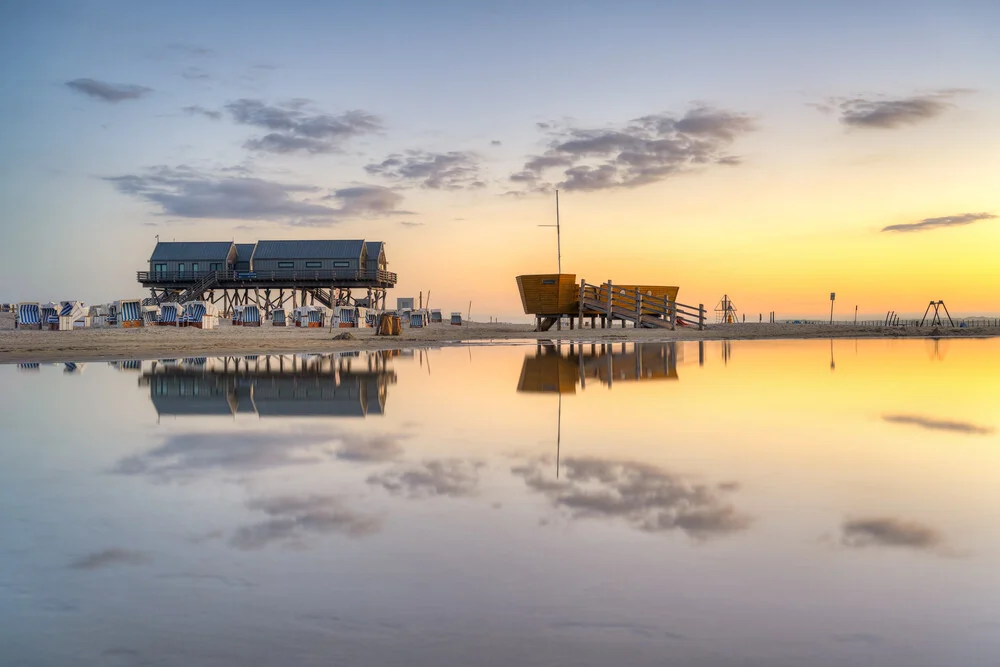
[[102, 343]]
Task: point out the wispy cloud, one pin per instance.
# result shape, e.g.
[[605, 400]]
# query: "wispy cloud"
[[193, 50], [928, 224], [295, 128], [889, 532], [108, 92], [889, 113], [411, 223], [186, 192], [108, 558], [447, 477], [197, 110], [294, 518], [938, 424], [438, 171], [646, 497], [646, 150]]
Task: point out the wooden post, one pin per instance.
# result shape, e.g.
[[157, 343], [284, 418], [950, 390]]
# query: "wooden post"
[[671, 307], [611, 320], [583, 292], [701, 317], [638, 308]]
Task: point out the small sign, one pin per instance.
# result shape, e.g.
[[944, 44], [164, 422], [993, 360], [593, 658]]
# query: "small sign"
[[833, 295]]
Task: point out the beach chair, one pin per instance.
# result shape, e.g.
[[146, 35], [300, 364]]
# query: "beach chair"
[[73, 314], [49, 316], [345, 317], [29, 316], [250, 316], [201, 315], [151, 315], [279, 317], [456, 319], [130, 313], [418, 319], [435, 316], [371, 318], [170, 315], [315, 318]]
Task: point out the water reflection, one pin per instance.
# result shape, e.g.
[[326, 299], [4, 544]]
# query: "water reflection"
[[323, 385], [554, 368]]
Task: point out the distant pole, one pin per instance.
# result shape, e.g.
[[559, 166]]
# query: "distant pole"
[[855, 314], [833, 296], [558, 235]]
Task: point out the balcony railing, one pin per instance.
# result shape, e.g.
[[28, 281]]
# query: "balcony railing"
[[282, 275]]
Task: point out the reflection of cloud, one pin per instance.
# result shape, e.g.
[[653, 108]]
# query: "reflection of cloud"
[[183, 454], [109, 557], [889, 532], [376, 448], [450, 477], [295, 517], [938, 424], [187, 454], [646, 497]]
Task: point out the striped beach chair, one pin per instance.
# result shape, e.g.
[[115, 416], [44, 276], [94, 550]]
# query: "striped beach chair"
[[418, 319], [170, 314], [346, 317], [279, 317], [29, 316], [456, 319], [250, 316], [316, 318], [130, 314], [237, 319], [371, 318], [72, 314], [50, 316], [201, 315], [151, 315]]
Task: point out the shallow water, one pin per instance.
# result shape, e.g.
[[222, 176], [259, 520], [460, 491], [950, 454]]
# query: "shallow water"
[[748, 503]]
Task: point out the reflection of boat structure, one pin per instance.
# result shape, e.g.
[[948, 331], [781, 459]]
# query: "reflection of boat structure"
[[323, 385], [559, 368]]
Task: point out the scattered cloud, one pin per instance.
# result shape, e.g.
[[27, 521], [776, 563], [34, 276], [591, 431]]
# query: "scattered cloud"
[[645, 497], [889, 532], [938, 424], [183, 48], [189, 193], [447, 477], [294, 518], [646, 150], [411, 223], [937, 223], [187, 454], [108, 92], [864, 638], [496, 142], [197, 110], [108, 558], [195, 74], [882, 113], [294, 128], [375, 448], [438, 171]]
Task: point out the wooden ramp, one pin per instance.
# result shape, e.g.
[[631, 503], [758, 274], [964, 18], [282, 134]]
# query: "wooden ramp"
[[641, 307]]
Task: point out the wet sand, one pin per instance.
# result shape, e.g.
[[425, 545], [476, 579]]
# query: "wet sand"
[[102, 343]]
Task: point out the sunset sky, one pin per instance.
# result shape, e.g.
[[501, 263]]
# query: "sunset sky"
[[775, 153]]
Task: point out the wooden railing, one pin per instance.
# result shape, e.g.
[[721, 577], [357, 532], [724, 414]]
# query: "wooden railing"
[[635, 306]]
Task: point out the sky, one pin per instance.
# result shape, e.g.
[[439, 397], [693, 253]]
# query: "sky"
[[769, 151]]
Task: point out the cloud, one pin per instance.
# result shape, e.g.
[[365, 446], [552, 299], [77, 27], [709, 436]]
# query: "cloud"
[[411, 223], [376, 448], [293, 518], [889, 532], [195, 74], [448, 477], [496, 142], [108, 92], [109, 557], [183, 455], [197, 110], [876, 113], [191, 50], [186, 454], [188, 193], [646, 150], [294, 129], [438, 171], [938, 424], [937, 223], [645, 497]]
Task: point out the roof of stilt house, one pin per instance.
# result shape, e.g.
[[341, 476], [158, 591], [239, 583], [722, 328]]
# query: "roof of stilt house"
[[190, 250], [308, 249]]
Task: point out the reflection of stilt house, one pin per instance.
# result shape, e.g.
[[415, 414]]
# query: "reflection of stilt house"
[[273, 385]]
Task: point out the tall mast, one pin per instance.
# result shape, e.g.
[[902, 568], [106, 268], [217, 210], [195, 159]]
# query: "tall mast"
[[558, 235]]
